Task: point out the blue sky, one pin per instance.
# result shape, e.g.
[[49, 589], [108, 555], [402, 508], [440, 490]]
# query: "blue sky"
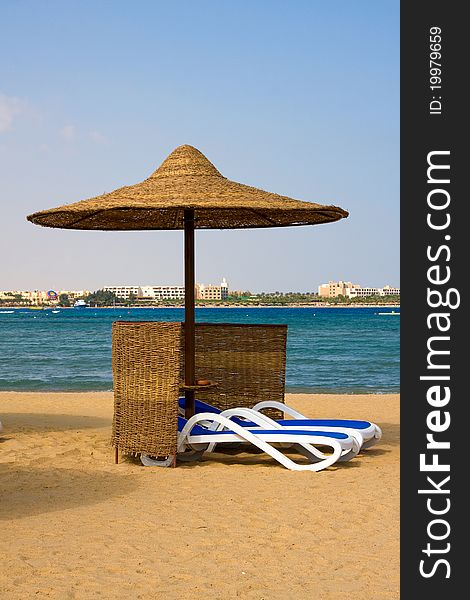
[[299, 98]]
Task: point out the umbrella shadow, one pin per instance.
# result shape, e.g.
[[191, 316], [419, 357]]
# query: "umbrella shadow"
[[254, 459], [254, 456], [375, 451], [14, 422], [28, 491]]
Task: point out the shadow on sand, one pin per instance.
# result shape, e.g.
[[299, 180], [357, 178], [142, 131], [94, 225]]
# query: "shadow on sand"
[[28, 491], [14, 422]]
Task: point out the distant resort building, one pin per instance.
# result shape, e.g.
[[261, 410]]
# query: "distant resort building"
[[168, 292], [161, 292], [37, 297], [359, 292], [332, 289], [33, 297], [74, 294], [212, 292], [123, 291]]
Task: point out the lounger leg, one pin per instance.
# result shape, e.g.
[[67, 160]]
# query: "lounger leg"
[[148, 461], [116, 455]]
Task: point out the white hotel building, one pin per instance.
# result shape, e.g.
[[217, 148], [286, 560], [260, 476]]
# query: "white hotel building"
[[332, 289], [358, 292], [147, 292], [168, 292], [161, 292], [123, 291]]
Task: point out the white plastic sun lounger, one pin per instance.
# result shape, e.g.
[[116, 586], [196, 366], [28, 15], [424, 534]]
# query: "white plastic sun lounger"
[[246, 417], [195, 434], [365, 433]]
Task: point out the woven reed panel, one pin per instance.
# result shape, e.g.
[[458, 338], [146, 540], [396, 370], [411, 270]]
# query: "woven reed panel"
[[146, 373], [247, 361]]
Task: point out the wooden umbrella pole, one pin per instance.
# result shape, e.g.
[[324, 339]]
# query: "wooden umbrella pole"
[[189, 319]]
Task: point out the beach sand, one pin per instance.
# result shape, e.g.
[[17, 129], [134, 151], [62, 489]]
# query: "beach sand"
[[75, 526]]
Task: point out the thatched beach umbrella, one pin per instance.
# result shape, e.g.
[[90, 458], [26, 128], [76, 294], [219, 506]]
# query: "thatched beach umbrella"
[[187, 192]]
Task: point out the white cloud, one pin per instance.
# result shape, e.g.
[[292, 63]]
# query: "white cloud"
[[9, 108], [68, 133]]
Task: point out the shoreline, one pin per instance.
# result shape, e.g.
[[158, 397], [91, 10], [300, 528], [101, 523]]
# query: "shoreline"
[[326, 305]]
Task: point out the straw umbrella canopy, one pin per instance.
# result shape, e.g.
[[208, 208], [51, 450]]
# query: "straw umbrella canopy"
[[187, 192]]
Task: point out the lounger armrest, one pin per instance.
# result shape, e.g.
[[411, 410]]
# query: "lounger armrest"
[[279, 405], [217, 419], [223, 422], [252, 415]]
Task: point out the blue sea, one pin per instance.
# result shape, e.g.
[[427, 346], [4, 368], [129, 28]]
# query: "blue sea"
[[329, 350]]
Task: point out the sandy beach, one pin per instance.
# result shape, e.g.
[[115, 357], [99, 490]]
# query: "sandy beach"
[[76, 526]]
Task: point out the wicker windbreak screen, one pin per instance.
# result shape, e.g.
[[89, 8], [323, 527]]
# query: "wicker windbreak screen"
[[248, 362], [146, 373]]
